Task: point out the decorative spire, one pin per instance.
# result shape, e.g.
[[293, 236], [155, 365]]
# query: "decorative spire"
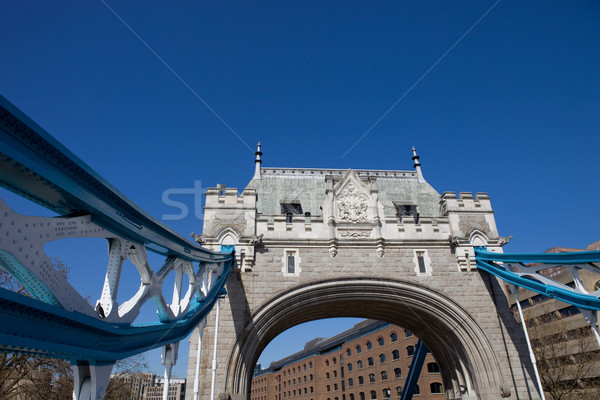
[[417, 165], [257, 162]]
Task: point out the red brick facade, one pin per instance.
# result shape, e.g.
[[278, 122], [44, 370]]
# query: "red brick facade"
[[373, 365]]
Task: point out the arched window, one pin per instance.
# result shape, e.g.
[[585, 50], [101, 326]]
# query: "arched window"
[[350, 382], [335, 386], [311, 377], [351, 396], [334, 361], [410, 350], [381, 358], [327, 376], [327, 363], [335, 373], [433, 368], [361, 380], [294, 381], [304, 367], [395, 354], [348, 352], [305, 391], [310, 365], [373, 395], [372, 378], [393, 337], [358, 349], [369, 345], [349, 367], [397, 373], [384, 375], [312, 389], [328, 388], [407, 333], [386, 393], [398, 391], [380, 341], [370, 361], [361, 396], [304, 378], [359, 364], [417, 390], [436, 387], [294, 392]]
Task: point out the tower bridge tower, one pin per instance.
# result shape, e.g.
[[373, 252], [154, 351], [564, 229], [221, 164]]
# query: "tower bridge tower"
[[385, 245]]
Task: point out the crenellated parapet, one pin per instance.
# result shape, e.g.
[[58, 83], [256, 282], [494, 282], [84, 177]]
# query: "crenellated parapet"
[[229, 219], [472, 223]]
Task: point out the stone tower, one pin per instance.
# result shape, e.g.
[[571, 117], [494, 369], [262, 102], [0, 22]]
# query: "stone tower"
[[385, 245]]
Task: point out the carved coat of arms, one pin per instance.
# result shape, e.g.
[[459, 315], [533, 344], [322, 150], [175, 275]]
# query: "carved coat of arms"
[[352, 205]]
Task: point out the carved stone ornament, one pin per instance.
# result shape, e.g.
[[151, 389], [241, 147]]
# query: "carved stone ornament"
[[355, 234], [352, 205]]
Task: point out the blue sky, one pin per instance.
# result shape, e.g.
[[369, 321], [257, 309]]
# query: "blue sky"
[[510, 109]]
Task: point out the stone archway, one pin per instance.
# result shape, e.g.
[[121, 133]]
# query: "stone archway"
[[468, 362]]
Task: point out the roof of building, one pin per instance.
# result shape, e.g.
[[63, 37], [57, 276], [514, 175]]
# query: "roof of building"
[[325, 345], [308, 187]]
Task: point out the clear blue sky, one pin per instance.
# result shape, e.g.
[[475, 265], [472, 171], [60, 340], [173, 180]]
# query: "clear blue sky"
[[512, 109]]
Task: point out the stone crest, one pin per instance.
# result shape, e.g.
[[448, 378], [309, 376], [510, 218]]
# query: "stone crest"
[[352, 204]]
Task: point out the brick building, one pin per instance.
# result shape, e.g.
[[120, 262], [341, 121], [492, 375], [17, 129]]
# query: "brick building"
[[367, 362]]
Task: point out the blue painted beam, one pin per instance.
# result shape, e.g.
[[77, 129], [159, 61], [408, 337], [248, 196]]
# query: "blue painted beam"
[[414, 371], [32, 326], [36, 166], [486, 261]]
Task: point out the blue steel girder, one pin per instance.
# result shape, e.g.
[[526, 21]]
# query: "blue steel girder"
[[512, 268], [59, 322], [414, 371]]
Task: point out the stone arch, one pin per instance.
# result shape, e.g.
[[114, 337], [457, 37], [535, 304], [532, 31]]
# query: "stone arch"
[[465, 356], [228, 237], [478, 238]]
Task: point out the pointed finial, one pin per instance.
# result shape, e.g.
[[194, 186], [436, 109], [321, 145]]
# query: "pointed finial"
[[417, 165], [257, 162]]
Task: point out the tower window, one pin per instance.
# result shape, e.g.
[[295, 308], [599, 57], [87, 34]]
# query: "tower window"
[[289, 210]]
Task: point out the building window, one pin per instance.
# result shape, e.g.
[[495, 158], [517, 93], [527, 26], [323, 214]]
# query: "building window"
[[370, 361], [348, 352], [334, 361], [398, 391], [422, 262], [312, 389], [311, 376], [304, 378], [359, 364], [410, 350], [384, 375], [310, 366], [328, 388], [417, 390], [386, 393], [372, 378], [395, 354], [289, 210], [394, 337], [373, 395], [291, 263], [397, 373], [407, 210], [361, 380], [350, 382], [335, 386], [407, 333], [327, 363], [327, 375], [351, 396], [349, 367], [381, 358], [369, 345], [358, 349], [361, 396], [304, 367], [335, 374], [433, 368], [380, 341], [436, 387]]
